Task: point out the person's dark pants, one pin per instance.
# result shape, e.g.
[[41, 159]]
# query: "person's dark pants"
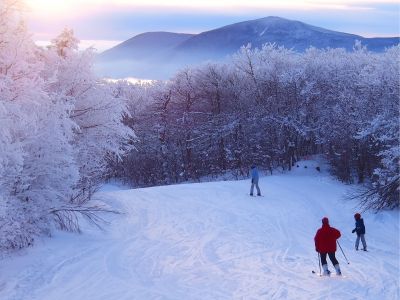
[[331, 257]]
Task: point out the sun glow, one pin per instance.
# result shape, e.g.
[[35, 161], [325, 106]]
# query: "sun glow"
[[51, 7], [86, 16]]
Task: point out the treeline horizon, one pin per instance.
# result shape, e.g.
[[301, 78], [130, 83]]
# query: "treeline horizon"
[[270, 107]]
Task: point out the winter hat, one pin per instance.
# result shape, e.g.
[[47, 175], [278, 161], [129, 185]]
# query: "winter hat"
[[357, 216], [325, 220]]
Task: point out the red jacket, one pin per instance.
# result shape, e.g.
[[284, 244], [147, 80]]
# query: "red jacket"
[[325, 239]]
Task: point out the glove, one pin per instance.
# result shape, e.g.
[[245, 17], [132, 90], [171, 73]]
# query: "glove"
[[353, 231]]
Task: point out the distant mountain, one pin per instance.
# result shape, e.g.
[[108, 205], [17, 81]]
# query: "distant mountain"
[[291, 34], [157, 55], [145, 45]]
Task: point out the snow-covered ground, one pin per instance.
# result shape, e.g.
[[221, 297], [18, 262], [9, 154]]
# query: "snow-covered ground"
[[213, 241]]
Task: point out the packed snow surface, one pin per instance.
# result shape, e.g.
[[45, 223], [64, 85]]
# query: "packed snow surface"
[[213, 241]]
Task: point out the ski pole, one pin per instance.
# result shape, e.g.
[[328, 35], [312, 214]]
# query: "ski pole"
[[343, 253], [319, 263]]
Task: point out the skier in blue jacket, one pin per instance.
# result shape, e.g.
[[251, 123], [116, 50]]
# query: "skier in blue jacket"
[[254, 180], [360, 230]]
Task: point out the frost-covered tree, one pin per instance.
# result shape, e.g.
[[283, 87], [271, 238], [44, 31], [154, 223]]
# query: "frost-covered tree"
[[59, 127], [37, 166], [382, 130], [384, 189], [271, 106], [100, 134]]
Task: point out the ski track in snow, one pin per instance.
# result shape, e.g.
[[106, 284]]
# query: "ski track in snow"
[[211, 241]]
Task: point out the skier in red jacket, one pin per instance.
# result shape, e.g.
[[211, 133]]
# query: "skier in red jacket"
[[325, 243]]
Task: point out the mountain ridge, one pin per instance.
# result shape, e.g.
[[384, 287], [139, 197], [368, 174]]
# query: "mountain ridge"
[[165, 52]]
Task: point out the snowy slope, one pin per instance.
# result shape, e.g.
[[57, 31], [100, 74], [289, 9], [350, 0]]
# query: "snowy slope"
[[213, 241]]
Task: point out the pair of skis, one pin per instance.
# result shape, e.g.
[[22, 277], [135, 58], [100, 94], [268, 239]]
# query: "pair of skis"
[[330, 274]]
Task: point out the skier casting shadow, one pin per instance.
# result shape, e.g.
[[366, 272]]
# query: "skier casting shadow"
[[325, 244]]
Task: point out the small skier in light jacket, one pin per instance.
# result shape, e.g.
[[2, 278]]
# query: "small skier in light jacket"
[[254, 181], [360, 230]]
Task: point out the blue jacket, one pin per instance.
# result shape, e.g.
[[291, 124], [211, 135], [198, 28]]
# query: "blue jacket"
[[360, 227], [254, 174]]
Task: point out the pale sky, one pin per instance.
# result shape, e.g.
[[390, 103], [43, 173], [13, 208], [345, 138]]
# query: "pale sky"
[[103, 23]]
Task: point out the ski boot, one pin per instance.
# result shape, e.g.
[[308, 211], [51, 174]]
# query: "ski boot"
[[338, 272], [326, 271]]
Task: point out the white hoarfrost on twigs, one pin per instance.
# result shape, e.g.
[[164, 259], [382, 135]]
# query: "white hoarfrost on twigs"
[[59, 127], [214, 241]]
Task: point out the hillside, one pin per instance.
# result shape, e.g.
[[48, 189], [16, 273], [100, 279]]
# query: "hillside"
[[143, 56], [146, 45], [157, 55], [290, 34], [213, 241]]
